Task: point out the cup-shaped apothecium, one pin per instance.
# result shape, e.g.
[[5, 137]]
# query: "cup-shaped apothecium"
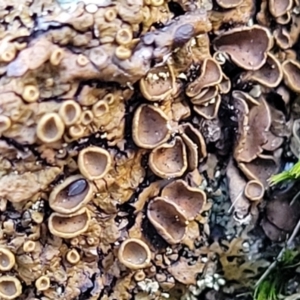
[[291, 74], [195, 145], [42, 283], [167, 219], [7, 259], [10, 287], [188, 200], [30, 93], [50, 128], [254, 190], [70, 112], [94, 162], [56, 56], [29, 246], [150, 127], [211, 74], [158, 84], [71, 195], [169, 160], [134, 254], [5, 123], [69, 226], [246, 46], [73, 257]]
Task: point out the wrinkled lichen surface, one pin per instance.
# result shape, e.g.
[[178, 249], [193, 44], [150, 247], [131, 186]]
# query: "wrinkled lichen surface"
[[120, 124]]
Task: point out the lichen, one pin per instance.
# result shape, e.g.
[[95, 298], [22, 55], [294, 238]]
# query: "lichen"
[[114, 120]]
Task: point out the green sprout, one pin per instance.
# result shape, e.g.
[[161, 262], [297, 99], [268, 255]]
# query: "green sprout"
[[291, 174], [272, 286], [267, 290]]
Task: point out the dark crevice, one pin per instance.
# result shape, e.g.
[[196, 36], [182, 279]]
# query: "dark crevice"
[[152, 236], [176, 8], [87, 293], [277, 102], [158, 25]]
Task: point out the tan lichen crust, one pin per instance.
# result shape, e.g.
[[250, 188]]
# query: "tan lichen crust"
[[112, 114]]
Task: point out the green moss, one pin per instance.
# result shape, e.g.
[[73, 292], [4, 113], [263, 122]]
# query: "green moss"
[[272, 287], [291, 174]]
